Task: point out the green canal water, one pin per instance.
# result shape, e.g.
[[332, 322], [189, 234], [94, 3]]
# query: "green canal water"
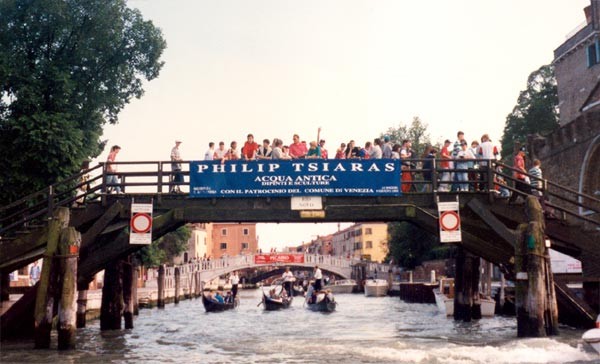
[[362, 330]]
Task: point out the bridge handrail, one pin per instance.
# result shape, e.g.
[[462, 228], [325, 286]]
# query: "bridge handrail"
[[40, 205]]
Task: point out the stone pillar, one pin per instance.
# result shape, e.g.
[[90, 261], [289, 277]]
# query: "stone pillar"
[[70, 241], [47, 285], [112, 297], [537, 315]]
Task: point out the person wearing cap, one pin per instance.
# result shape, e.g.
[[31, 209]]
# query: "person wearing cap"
[[445, 164], [176, 168], [520, 178], [386, 150]]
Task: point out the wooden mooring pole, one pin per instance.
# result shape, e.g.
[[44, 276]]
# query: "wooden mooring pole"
[[112, 297], [177, 284], [161, 287], [81, 307], [537, 313], [44, 302], [128, 283], [70, 240], [134, 289], [466, 299]]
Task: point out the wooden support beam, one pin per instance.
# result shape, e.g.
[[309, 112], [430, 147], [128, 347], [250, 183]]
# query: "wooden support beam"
[[112, 297], [44, 303], [70, 242]]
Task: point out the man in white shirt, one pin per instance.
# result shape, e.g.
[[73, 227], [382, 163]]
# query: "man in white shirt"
[[210, 153], [376, 152], [234, 279], [176, 168], [288, 279], [318, 275]]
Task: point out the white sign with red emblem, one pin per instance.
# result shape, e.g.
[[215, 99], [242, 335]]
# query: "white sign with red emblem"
[[140, 226], [449, 222]]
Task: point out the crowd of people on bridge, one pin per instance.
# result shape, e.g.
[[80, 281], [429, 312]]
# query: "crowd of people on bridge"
[[460, 165]]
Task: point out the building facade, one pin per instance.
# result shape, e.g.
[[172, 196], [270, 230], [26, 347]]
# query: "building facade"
[[230, 239], [199, 243], [368, 241], [577, 66]]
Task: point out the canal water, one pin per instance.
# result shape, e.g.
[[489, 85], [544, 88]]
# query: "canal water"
[[362, 330]]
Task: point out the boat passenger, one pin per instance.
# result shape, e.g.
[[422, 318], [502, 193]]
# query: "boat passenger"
[[310, 294], [219, 297], [229, 297]]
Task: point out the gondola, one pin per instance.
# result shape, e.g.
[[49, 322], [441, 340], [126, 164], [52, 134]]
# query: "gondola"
[[212, 306], [324, 305], [274, 304], [297, 291]]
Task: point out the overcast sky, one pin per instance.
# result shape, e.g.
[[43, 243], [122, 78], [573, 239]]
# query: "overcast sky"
[[354, 67]]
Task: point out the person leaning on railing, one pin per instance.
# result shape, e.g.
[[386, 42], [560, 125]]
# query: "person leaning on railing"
[[521, 180], [112, 181]]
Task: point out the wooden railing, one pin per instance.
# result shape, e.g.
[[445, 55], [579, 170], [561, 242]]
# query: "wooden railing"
[[156, 178]]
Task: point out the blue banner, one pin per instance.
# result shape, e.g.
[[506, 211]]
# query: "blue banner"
[[304, 177]]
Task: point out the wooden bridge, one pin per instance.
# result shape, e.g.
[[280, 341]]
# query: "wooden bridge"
[[488, 222]]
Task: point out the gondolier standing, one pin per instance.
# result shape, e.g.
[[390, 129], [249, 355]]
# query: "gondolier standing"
[[234, 279], [288, 279], [318, 278]]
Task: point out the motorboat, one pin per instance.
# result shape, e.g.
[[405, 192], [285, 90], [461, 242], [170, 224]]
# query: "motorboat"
[[444, 299], [342, 286], [376, 287], [592, 336]]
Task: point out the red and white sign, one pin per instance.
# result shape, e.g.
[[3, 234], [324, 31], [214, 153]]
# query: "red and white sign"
[[278, 258], [140, 225], [449, 219]]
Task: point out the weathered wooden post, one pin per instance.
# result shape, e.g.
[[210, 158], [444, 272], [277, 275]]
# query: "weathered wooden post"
[[161, 287], [70, 240], [4, 286], [537, 315], [44, 302], [177, 283], [134, 289], [112, 297], [466, 298], [127, 294], [81, 307]]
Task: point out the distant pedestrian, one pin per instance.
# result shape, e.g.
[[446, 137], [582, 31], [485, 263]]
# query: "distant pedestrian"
[[234, 279], [210, 153], [536, 180], [176, 168], [112, 181], [34, 273], [521, 180], [318, 276]]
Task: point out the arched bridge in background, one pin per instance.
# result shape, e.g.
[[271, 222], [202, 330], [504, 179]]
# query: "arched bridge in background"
[[488, 221]]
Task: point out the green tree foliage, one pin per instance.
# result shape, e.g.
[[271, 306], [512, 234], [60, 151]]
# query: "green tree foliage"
[[415, 132], [536, 110], [164, 249], [410, 245], [67, 67]]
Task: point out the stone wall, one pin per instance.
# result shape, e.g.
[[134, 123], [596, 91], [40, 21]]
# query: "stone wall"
[[564, 152]]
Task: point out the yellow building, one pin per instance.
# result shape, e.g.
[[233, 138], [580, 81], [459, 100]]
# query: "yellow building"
[[363, 240]]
